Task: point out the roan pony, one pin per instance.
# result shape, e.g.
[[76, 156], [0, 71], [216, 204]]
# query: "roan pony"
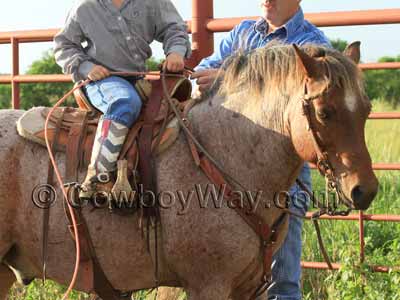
[[255, 128]]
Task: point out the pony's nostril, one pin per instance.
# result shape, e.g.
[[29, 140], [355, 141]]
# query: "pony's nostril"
[[357, 196], [356, 193], [27, 281], [362, 196]]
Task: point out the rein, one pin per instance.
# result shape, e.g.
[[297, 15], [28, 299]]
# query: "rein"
[[268, 236], [215, 172], [62, 186]]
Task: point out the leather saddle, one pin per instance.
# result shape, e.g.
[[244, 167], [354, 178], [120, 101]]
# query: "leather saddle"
[[67, 123], [72, 130]]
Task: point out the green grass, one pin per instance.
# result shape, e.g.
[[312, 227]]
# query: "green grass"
[[353, 281], [383, 136]]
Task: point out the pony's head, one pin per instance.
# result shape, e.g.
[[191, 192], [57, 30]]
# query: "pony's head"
[[316, 97], [329, 131]]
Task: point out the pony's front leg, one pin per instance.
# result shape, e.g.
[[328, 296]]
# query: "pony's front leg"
[[7, 279]]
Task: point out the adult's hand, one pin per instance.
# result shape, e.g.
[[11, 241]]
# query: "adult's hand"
[[98, 73], [174, 62], [205, 78]]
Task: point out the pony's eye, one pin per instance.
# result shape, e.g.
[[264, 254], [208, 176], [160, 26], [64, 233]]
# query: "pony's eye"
[[323, 114]]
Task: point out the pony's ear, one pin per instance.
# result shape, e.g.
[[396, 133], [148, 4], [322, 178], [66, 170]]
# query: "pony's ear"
[[308, 63], [352, 51]]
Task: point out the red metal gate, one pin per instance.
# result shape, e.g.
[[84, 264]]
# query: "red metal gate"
[[203, 26]]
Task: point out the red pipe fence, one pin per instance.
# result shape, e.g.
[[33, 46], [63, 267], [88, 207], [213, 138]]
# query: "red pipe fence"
[[202, 27]]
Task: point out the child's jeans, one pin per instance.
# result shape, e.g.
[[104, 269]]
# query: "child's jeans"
[[116, 98]]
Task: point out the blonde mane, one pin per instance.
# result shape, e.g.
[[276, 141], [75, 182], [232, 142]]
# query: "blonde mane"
[[273, 72]]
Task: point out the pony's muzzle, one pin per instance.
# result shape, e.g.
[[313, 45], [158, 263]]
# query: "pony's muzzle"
[[362, 195]]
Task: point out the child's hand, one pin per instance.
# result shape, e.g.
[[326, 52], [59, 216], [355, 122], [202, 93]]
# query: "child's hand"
[[98, 73], [174, 62]]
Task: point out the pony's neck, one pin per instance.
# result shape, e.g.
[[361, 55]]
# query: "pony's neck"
[[253, 146]]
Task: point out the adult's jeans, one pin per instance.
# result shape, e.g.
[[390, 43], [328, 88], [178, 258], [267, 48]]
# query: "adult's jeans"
[[287, 270]]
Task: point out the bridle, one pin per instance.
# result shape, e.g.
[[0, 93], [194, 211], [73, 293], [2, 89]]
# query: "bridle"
[[324, 164]]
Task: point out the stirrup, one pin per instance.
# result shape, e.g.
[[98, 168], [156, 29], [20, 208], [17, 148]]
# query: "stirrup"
[[124, 198], [96, 184]]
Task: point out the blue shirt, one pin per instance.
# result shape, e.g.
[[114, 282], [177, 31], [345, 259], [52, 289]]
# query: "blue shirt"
[[249, 35]]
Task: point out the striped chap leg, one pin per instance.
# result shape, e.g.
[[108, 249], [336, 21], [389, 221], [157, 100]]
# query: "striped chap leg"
[[110, 137], [108, 142]]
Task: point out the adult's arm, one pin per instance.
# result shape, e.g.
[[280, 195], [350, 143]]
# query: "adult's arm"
[[209, 68], [224, 49]]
